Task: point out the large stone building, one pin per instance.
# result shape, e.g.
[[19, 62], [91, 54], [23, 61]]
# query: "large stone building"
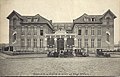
[[38, 34]]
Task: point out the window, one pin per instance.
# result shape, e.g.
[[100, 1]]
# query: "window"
[[28, 30], [35, 30], [79, 43], [14, 23], [99, 43], [92, 30], [28, 42], [22, 30], [93, 19], [108, 37], [35, 43], [29, 19], [99, 31], [108, 20], [50, 42], [22, 43], [41, 32], [86, 31], [79, 32], [86, 42], [70, 42], [41, 43], [36, 20], [14, 37], [92, 43], [86, 19]]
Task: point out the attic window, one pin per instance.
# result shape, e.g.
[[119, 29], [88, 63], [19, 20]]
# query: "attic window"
[[29, 19], [86, 19], [93, 19], [36, 20]]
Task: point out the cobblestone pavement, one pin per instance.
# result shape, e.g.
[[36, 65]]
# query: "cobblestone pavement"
[[60, 66]]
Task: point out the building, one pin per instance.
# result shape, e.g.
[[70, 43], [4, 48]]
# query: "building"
[[117, 46], [38, 34]]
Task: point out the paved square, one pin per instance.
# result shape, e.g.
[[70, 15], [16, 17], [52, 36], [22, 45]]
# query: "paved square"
[[60, 66]]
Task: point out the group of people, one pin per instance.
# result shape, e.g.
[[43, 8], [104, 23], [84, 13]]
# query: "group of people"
[[67, 53]]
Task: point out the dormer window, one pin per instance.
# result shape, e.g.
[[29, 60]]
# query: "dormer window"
[[93, 19], [29, 19], [86, 19], [36, 20]]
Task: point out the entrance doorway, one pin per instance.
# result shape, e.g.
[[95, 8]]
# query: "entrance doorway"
[[60, 44]]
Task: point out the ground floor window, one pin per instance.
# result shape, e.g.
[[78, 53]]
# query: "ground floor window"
[[41, 43], [92, 43], [35, 43], [86, 43], [22, 42], [50, 42], [79, 43], [28, 42], [99, 43], [70, 42]]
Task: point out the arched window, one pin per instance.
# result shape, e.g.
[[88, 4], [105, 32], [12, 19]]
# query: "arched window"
[[108, 37], [14, 23], [14, 37]]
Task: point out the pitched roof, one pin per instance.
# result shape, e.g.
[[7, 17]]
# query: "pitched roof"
[[14, 12], [25, 18], [85, 18], [109, 11], [88, 19]]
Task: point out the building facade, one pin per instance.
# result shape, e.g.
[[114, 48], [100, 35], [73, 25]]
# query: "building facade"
[[38, 34]]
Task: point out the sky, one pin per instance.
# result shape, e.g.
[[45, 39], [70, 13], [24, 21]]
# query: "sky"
[[57, 11]]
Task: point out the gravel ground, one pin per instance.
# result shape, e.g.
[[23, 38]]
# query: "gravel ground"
[[60, 66]]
